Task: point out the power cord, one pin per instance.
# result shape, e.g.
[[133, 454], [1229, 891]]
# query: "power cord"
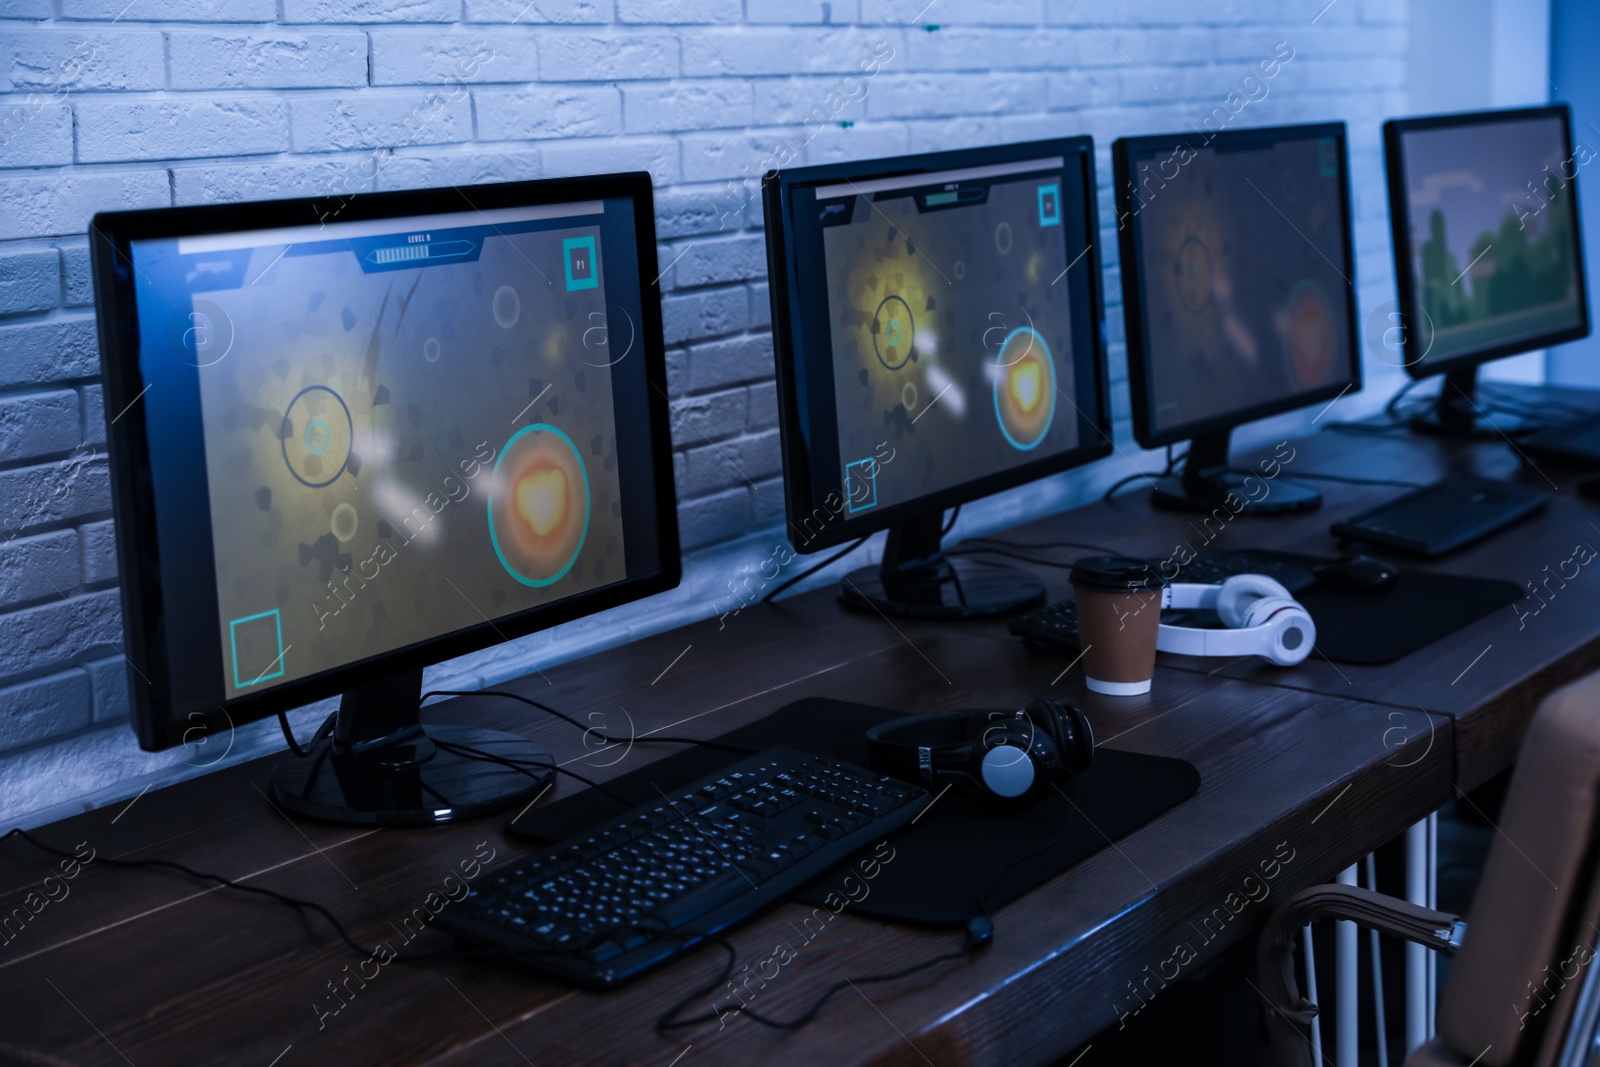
[[809, 571], [569, 720], [1166, 472]]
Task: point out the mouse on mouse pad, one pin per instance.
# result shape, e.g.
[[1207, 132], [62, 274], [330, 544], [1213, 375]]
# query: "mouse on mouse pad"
[[1361, 574]]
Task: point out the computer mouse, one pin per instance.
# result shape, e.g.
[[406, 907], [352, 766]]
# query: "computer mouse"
[[1362, 574]]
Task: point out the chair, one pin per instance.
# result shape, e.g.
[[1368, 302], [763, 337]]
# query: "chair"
[[1521, 990]]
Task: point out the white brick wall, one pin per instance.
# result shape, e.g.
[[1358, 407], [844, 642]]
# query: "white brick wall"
[[106, 104]]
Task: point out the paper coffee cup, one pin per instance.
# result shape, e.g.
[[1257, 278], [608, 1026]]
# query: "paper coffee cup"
[[1119, 614]]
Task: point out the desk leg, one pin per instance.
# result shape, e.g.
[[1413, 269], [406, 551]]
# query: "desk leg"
[[1311, 994], [1418, 1028], [1377, 973], [1347, 972]]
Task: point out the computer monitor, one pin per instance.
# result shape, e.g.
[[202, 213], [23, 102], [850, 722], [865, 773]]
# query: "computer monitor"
[[1488, 257], [939, 336], [351, 437], [1238, 289]]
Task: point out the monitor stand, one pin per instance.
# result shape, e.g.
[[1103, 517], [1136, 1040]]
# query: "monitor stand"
[[382, 767], [916, 578], [1457, 414], [1208, 483]]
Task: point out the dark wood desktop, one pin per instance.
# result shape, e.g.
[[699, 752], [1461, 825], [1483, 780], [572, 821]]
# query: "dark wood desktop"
[[1303, 770]]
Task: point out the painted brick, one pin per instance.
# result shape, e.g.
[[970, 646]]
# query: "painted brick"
[[277, 60], [760, 307], [678, 11], [99, 543], [470, 166], [172, 10], [117, 131], [381, 119], [58, 631], [697, 420], [232, 182], [768, 504], [50, 493], [47, 707], [658, 155], [718, 261], [39, 424], [763, 405], [94, 414], [709, 314], [427, 57], [563, 12], [723, 363], [374, 11], [108, 678], [742, 461], [705, 210], [77, 281], [974, 48], [63, 203], [33, 353], [687, 105], [800, 12], [39, 567], [25, 9], [895, 95], [35, 131], [603, 57], [749, 51], [30, 280], [66, 61], [721, 517], [546, 111]]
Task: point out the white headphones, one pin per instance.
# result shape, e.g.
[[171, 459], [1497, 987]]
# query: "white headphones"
[[1261, 618]]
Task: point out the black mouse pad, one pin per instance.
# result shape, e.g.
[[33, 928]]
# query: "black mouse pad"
[[963, 851], [1377, 627]]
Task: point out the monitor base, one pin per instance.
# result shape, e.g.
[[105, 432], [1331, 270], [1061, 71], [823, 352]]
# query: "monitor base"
[[381, 767], [947, 589], [409, 781], [1456, 413], [1283, 496]]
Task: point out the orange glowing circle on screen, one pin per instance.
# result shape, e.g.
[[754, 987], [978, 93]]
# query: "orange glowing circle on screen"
[[539, 505], [1024, 388], [1310, 334]]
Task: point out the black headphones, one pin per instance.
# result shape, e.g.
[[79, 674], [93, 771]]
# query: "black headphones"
[[1012, 756]]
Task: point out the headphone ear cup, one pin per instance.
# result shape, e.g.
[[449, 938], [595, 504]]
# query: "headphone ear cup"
[[1295, 632], [1236, 595], [1049, 716]]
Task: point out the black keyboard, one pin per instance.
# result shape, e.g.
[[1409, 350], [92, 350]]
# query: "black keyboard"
[[1576, 443], [604, 908], [1056, 625], [1444, 516]]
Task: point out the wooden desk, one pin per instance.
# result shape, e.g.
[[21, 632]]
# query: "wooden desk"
[[1488, 677], [146, 967]]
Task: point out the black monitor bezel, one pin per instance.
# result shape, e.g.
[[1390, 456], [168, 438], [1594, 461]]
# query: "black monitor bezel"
[[1141, 368], [138, 557], [1400, 237], [804, 496]]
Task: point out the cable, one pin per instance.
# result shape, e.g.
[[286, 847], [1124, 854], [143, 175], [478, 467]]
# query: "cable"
[[1010, 555], [954, 515], [228, 883], [1166, 472], [468, 752], [1040, 544], [1314, 476], [667, 1023], [322, 731], [569, 720], [809, 571]]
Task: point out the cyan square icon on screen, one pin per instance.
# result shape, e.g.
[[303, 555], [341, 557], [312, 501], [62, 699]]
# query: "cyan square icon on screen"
[[582, 272], [861, 484], [257, 642], [1050, 205]]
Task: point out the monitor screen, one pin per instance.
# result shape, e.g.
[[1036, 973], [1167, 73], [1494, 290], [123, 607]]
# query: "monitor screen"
[[1486, 235], [368, 435], [1237, 276], [945, 321]]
